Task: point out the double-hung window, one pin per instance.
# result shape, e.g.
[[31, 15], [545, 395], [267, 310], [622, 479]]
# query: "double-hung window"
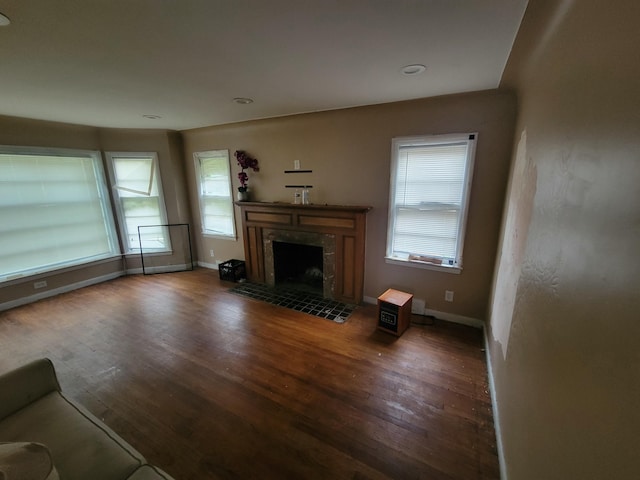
[[214, 192], [137, 188], [429, 196], [54, 210]]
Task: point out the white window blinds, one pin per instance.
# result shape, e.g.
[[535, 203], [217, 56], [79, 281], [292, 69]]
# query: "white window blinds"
[[138, 194], [54, 211], [214, 188], [429, 190]]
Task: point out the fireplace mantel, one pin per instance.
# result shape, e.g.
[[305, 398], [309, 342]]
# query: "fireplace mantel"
[[345, 223]]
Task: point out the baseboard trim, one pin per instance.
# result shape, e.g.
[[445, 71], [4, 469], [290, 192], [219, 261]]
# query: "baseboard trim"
[[160, 269], [57, 291], [212, 266], [370, 300], [449, 317], [494, 406], [455, 318]]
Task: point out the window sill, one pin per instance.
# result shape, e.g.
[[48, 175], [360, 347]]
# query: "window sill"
[[219, 237], [423, 265]]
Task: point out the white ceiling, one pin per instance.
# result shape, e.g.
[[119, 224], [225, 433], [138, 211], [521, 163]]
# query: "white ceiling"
[[109, 62]]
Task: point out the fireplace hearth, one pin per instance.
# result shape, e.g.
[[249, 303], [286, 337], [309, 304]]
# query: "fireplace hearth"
[[298, 300]]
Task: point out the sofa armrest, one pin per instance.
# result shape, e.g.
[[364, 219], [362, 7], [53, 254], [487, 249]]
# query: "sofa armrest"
[[26, 384]]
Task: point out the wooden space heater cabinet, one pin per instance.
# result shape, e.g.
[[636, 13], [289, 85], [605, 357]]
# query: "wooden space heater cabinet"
[[394, 311]]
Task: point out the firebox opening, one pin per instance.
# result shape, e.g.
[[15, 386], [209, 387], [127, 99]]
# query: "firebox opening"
[[298, 266]]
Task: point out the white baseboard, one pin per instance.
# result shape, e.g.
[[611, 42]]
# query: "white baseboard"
[[494, 405], [370, 300], [159, 269], [57, 291], [449, 317], [455, 318], [212, 266]]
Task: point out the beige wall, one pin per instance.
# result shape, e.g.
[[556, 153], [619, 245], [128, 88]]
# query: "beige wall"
[[564, 321], [349, 153], [168, 145]]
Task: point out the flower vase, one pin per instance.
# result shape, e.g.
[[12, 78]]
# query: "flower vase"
[[243, 196]]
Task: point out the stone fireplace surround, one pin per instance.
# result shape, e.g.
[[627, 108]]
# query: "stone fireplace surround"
[[339, 229], [326, 241]]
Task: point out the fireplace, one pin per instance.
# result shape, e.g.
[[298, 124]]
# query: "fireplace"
[[338, 229], [304, 260], [298, 266]]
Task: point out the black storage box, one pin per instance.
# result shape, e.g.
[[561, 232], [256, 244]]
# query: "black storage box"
[[232, 271]]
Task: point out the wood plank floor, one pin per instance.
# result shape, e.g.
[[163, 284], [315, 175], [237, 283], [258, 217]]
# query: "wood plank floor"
[[208, 384]]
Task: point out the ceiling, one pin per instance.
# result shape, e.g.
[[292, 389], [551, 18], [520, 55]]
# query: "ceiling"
[[108, 63]]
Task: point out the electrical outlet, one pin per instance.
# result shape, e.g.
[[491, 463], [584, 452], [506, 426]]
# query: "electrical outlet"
[[40, 284], [296, 164], [448, 296], [211, 253]]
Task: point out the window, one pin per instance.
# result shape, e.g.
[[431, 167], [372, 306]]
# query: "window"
[[138, 194], [214, 190], [430, 183], [54, 210]]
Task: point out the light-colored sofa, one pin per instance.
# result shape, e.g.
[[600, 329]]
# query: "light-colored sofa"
[[48, 425]]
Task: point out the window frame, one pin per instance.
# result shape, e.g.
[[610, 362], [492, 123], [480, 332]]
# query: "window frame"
[[104, 202], [432, 140], [120, 213], [197, 158]]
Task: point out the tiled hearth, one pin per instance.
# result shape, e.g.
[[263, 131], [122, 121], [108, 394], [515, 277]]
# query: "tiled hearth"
[[298, 300]]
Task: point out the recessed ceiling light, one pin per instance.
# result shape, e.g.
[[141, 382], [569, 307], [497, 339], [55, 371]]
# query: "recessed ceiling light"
[[152, 117], [415, 69], [243, 101], [4, 20]]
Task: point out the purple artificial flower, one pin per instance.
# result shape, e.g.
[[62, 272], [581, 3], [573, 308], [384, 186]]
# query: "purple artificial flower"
[[245, 162]]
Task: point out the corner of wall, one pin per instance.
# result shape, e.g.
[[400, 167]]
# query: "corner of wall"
[[494, 405]]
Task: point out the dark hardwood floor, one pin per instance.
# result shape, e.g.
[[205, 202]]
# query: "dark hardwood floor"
[[208, 384]]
